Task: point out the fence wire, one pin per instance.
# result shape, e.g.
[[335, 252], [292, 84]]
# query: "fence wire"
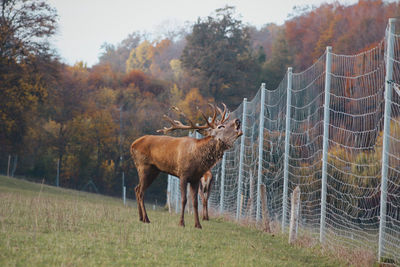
[[354, 155]]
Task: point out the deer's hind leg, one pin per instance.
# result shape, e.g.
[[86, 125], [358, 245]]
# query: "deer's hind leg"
[[205, 203], [147, 174], [203, 199], [137, 193]]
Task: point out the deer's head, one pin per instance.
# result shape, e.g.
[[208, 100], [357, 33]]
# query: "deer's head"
[[222, 129]]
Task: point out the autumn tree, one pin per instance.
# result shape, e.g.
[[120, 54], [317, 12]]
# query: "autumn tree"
[[116, 55], [24, 26], [274, 69], [140, 58], [219, 55], [24, 50], [348, 29], [264, 38], [66, 100]]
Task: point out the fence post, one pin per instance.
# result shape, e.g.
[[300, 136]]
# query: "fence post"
[[260, 150], [265, 214], [123, 183], [14, 165], [325, 145], [287, 148], [294, 215], [169, 193], [241, 159], [124, 195], [386, 132], [221, 197], [8, 166], [176, 195], [58, 173]]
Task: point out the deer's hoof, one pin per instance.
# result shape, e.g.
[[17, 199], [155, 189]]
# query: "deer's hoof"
[[181, 224], [197, 225]]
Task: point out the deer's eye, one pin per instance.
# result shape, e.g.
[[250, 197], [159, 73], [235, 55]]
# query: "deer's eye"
[[221, 126]]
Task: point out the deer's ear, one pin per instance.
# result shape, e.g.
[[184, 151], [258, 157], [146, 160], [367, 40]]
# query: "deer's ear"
[[204, 132]]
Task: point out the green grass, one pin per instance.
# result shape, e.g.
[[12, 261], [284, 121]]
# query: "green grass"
[[47, 226]]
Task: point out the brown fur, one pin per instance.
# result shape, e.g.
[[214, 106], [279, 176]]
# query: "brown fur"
[[185, 157], [204, 191]]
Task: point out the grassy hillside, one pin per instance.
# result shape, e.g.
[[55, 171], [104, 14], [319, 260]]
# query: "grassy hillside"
[[42, 225]]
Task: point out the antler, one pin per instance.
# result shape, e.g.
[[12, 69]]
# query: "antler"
[[212, 123], [179, 125], [223, 114]]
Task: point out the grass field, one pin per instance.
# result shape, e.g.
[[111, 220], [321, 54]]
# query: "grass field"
[[48, 226]]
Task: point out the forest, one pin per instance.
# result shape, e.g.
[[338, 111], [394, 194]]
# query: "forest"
[[83, 119]]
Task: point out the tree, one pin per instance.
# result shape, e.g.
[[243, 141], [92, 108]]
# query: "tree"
[[25, 64], [274, 69], [193, 101], [116, 56], [348, 29], [24, 26], [265, 38], [67, 100], [218, 53], [140, 57]]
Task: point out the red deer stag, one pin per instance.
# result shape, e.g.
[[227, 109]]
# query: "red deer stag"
[[204, 190], [185, 157]]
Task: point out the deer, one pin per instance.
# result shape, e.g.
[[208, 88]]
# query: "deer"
[[184, 157], [204, 191]]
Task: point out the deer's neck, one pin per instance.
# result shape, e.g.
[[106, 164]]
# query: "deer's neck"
[[210, 151]]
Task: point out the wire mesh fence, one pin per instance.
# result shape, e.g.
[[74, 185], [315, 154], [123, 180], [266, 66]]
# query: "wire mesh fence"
[[334, 131]]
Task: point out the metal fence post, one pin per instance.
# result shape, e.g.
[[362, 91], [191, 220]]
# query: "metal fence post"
[[386, 133], [260, 151], [287, 148], [58, 173], [123, 183], [241, 159], [124, 195], [8, 166], [325, 145], [221, 197], [14, 165], [176, 195], [169, 193]]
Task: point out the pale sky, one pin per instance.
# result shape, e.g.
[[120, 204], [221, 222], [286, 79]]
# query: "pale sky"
[[84, 25]]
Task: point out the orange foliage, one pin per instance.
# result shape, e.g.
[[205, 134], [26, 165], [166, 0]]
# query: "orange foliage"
[[191, 102], [102, 76], [135, 78], [348, 29], [145, 84]]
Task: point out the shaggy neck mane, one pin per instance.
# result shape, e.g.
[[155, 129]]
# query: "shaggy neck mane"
[[210, 151]]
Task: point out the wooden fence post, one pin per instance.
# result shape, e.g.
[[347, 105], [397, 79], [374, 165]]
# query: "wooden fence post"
[[265, 215], [294, 216]]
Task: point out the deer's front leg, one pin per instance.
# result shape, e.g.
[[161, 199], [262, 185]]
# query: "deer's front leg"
[[194, 189], [183, 186]]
